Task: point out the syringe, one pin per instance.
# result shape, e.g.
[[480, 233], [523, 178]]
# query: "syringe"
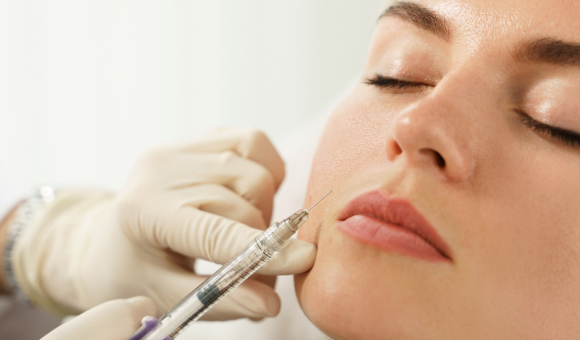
[[228, 277]]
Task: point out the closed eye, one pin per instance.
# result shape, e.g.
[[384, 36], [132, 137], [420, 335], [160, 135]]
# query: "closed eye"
[[388, 82], [567, 137]]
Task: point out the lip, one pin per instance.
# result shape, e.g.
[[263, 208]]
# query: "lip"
[[392, 224]]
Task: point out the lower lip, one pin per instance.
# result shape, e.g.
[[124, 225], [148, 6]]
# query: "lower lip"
[[389, 237]]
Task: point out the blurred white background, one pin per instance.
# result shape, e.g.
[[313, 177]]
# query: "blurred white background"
[[85, 86]]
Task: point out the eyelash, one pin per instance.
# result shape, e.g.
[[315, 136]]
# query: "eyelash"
[[387, 82], [567, 137]]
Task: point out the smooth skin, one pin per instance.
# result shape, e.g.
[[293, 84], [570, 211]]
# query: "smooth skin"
[[468, 139]]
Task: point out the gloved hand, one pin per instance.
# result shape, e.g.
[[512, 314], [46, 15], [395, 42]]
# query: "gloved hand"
[[113, 320], [207, 199]]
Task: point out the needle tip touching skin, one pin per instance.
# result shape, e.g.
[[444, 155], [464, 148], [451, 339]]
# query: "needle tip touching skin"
[[323, 197]]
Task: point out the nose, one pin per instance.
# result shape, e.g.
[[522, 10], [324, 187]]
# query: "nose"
[[433, 133]]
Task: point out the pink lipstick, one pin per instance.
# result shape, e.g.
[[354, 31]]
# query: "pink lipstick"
[[392, 224]]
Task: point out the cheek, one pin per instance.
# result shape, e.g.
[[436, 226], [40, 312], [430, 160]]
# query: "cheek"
[[521, 240], [353, 137], [517, 237], [542, 239], [353, 142]]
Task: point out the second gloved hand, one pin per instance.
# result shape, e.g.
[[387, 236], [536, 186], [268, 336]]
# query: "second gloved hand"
[[206, 199], [112, 320]]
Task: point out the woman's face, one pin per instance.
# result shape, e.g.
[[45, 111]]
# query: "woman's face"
[[455, 165]]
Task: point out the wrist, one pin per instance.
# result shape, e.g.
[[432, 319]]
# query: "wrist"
[[4, 226], [23, 216], [50, 256]]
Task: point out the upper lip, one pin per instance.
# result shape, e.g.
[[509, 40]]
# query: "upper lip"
[[395, 211]]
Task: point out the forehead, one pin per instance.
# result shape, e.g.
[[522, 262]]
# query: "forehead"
[[477, 21]]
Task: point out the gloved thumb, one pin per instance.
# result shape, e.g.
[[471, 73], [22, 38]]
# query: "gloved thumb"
[[198, 234], [113, 320]]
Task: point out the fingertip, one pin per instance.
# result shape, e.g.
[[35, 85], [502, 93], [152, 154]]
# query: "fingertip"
[[142, 305], [271, 308], [252, 299], [303, 255], [302, 252], [273, 305], [306, 248], [297, 257]]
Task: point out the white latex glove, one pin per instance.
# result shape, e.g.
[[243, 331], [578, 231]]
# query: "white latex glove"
[[113, 320], [207, 199]]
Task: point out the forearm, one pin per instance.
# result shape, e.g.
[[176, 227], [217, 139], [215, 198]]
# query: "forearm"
[[4, 225]]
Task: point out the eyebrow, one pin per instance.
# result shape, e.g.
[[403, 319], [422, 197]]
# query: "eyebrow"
[[550, 51], [544, 50], [421, 16]]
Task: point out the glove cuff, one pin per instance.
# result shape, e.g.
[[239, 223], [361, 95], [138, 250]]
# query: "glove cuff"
[[46, 255], [25, 214]]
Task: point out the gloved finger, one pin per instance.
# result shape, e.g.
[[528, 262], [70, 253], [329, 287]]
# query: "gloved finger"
[[297, 257], [248, 179], [113, 320], [256, 185], [269, 280], [247, 143], [199, 234], [252, 299], [219, 200], [176, 172]]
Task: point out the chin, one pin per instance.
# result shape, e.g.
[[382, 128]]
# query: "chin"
[[404, 297], [328, 302], [322, 310]]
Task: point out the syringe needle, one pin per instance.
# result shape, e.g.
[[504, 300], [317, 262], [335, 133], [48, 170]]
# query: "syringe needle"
[[319, 201]]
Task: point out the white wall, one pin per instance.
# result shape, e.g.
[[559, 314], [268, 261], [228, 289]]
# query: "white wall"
[[85, 86]]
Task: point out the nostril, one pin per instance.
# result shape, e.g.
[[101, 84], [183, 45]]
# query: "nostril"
[[393, 150], [397, 148], [431, 156], [439, 160]]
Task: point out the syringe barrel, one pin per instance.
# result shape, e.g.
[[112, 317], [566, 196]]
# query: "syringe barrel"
[[228, 277]]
